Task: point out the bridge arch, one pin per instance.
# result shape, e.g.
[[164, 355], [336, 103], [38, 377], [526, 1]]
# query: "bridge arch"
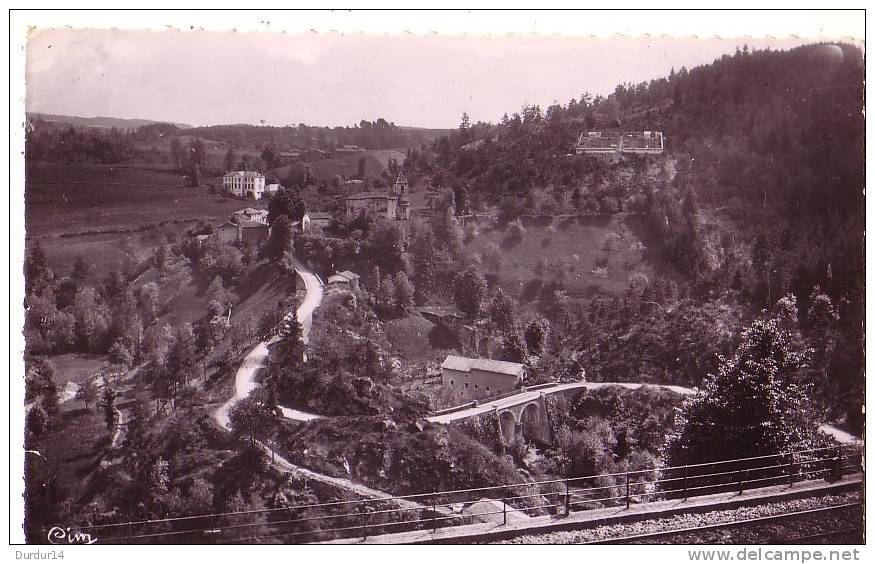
[[532, 422], [508, 424]]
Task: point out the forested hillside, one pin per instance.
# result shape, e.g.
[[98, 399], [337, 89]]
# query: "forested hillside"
[[759, 194]]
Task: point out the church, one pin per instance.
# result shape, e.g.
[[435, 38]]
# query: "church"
[[391, 205]]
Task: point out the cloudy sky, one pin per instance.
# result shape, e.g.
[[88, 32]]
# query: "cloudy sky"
[[209, 77]]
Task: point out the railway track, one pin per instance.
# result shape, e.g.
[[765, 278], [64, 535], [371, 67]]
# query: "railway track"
[[671, 536]]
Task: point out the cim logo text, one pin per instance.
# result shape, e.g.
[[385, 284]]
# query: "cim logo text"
[[60, 535]]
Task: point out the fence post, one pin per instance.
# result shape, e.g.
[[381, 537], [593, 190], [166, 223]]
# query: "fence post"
[[628, 501], [567, 500], [840, 463], [685, 483], [504, 509], [434, 512], [740, 482], [790, 468]]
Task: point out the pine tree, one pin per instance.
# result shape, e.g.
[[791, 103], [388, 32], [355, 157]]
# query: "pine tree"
[[751, 407]]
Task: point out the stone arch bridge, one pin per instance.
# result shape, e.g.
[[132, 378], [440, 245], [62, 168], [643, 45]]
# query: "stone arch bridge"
[[524, 415]]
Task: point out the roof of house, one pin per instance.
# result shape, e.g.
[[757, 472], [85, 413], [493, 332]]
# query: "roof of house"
[[464, 364], [320, 215], [349, 275], [202, 237], [244, 174], [228, 224], [373, 195], [250, 211], [401, 178]]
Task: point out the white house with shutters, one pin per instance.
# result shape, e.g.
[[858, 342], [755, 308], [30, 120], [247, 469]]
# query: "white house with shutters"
[[244, 184]]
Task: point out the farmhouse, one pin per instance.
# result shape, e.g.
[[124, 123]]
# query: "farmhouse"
[[345, 277], [244, 184], [639, 143], [375, 202], [251, 214], [244, 230], [316, 219], [478, 378], [272, 188], [252, 232]]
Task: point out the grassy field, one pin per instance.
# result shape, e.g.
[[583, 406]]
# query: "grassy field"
[[347, 164], [75, 368], [572, 249], [86, 198]]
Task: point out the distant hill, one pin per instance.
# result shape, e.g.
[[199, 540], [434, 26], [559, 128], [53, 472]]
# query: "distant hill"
[[100, 122], [424, 132]]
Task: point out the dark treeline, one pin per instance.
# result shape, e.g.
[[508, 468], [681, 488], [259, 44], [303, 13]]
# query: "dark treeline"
[[379, 134]]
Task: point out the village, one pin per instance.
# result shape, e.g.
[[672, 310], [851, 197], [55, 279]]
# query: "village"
[[523, 329]]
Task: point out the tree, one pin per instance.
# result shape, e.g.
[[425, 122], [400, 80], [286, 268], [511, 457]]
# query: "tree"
[[230, 159], [177, 153], [535, 335], [92, 319], [575, 197], [134, 451], [362, 168], [195, 175], [501, 310], [80, 270], [469, 291], [35, 267], [403, 293], [290, 346], [250, 418], [87, 392], [751, 407], [182, 358], [37, 419], [197, 153], [280, 241], [385, 295], [286, 202], [107, 405], [513, 348]]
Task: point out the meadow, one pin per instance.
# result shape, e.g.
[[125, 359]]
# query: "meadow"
[[347, 164], [99, 198], [589, 254]]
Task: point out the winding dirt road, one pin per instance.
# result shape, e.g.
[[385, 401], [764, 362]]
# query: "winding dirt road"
[[244, 381]]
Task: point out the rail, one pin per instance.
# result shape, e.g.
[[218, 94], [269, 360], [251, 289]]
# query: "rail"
[[558, 497]]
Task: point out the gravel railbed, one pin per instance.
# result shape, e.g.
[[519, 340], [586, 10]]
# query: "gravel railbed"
[[773, 532]]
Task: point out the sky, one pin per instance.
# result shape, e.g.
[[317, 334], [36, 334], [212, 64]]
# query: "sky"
[[220, 77]]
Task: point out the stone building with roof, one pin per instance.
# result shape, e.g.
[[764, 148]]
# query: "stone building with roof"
[[604, 143], [477, 378], [390, 205]]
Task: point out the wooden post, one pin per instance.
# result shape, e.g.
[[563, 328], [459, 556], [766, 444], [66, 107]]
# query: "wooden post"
[[504, 509], [567, 500], [628, 500], [685, 483], [740, 483]]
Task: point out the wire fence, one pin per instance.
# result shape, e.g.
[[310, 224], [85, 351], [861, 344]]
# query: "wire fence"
[[497, 504]]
